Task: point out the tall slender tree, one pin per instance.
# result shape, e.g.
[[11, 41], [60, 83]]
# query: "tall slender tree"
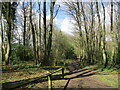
[[51, 30], [85, 23], [99, 25], [45, 31], [1, 53], [104, 41], [9, 10], [86, 32], [78, 20], [111, 15], [33, 33], [40, 33], [24, 32], [1, 34], [92, 33], [118, 55]]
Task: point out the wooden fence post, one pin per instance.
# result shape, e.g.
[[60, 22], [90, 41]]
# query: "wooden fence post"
[[50, 82], [62, 72]]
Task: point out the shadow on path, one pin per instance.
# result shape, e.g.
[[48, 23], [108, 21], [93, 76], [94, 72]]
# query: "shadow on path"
[[84, 74], [17, 84]]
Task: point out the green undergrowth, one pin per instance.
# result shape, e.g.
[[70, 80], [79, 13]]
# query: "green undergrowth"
[[100, 68], [108, 70], [11, 68]]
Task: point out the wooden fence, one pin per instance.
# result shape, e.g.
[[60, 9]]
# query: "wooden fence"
[[50, 77], [17, 84]]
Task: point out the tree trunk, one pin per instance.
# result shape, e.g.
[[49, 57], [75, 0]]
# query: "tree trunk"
[[8, 35], [37, 43], [86, 33], [104, 42], [33, 33], [24, 33], [78, 16], [118, 56], [92, 36], [51, 30], [1, 33], [99, 26], [39, 4], [45, 62], [112, 34], [111, 16]]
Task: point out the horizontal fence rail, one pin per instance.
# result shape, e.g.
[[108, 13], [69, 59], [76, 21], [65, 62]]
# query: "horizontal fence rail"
[[12, 85], [50, 77]]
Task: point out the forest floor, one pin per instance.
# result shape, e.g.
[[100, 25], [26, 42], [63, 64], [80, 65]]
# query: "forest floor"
[[83, 78], [87, 77]]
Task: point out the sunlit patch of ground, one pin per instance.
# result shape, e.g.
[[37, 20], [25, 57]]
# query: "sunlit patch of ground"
[[112, 80], [59, 83], [101, 79], [17, 74]]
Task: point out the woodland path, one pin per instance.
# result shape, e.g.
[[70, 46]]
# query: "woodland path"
[[82, 78], [85, 78]]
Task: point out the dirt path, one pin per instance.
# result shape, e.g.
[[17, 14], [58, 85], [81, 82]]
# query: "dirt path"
[[85, 78]]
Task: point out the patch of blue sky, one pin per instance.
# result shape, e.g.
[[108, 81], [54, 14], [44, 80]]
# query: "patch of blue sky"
[[60, 17]]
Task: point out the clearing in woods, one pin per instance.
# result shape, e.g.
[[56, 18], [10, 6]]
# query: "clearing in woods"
[[82, 78]]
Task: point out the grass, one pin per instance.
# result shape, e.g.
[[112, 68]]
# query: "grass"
[[23, 71], [100, 68], [28, 70], [20, 72], [55, 83], [59, 83], [21, 75], [112, 80]]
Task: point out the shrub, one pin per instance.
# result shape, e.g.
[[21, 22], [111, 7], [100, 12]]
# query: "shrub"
[[21, 53]]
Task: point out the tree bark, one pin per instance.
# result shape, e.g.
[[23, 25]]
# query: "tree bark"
[[33, 33], [86, 33], [8, 35], [24, 33], [104, 42], [99, 26], [92, 35], [51, 30], [85, 23], [45, 46], [39, 4], [111, 16], [118, 58], [1, 33]]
